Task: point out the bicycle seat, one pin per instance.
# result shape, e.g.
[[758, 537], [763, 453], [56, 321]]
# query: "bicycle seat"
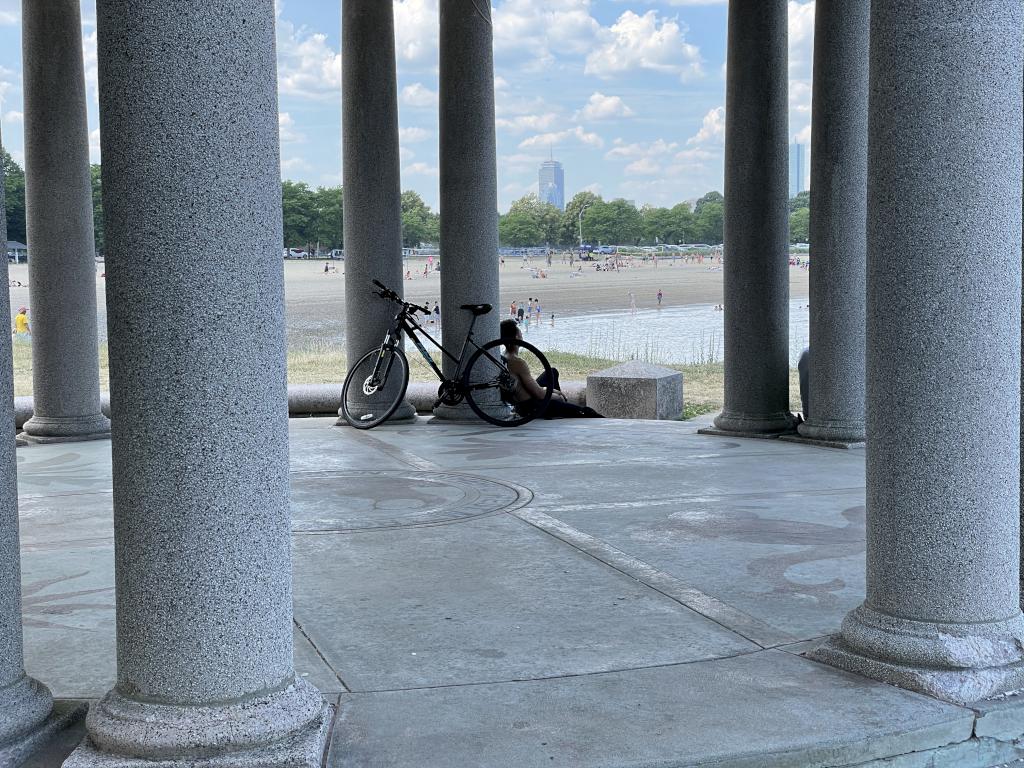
[[478, 309]]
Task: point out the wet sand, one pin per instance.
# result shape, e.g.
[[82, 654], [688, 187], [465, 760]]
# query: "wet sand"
[[315, 302]]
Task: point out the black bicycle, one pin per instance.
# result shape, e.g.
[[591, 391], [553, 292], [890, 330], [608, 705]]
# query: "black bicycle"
[[376, 384]]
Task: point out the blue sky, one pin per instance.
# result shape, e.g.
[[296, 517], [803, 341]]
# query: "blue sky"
[[629, 94]]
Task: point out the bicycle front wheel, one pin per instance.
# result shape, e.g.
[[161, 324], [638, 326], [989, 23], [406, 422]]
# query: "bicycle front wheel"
[[492, 390], [372, 392]]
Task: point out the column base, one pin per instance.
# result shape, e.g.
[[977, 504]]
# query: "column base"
[[43, 430], [30, 701], [959, 663], [840, 444], [284, 729], [463, 414], [406, 413], [767, 426], [832, 433]]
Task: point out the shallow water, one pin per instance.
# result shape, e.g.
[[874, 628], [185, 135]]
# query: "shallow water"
[[670, 335]]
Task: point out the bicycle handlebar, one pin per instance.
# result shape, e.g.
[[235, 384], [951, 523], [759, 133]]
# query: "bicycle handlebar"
[[387, 293]]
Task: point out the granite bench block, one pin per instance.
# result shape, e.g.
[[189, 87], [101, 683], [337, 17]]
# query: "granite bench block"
[[636, 390]]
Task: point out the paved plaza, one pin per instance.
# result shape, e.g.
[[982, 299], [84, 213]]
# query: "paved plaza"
[[593, 593]]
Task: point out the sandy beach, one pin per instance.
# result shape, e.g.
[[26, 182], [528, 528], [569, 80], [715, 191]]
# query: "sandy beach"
[[315, 300]]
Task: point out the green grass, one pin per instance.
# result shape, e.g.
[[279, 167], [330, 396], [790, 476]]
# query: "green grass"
[[703, 384]]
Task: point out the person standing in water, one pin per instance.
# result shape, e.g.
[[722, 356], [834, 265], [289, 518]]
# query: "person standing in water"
[[660, 294]]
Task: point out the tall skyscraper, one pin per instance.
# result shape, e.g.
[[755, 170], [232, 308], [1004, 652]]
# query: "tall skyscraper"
[[551, 184], [798, 169]]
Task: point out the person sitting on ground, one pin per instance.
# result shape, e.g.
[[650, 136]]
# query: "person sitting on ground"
[[529, 392]]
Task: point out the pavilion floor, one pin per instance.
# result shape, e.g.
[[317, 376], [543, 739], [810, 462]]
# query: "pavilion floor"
[[589, 593]]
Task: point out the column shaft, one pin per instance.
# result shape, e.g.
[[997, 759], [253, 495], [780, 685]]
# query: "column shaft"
[[58, 199], [839, 169], [192, 200], [469, 178], [942, 611], [756, 220], [373, 195], [24, 703]]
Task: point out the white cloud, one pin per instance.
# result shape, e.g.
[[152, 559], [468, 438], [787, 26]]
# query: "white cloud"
[[801, 68], [645, 166], [9, 19], [523, 123], [91, 61], [422, 169], [286, 126], [712, 130], [413, 134], [94, 145], [645, 42], [306, 65], [624, 151], [14, 117], [576, 134], [416, 31], [533, 32], [294, 164], [601, 107], [418, 95]]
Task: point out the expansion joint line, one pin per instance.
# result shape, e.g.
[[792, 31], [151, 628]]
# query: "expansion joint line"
[[485, 16]]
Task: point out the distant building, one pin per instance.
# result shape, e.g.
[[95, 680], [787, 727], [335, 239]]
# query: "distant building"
[[798, 169], [551, 184]]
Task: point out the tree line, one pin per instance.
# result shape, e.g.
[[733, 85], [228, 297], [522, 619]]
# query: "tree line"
[[313, 216]]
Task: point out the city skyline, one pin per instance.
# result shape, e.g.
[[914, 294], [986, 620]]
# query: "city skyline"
[[629, 93]]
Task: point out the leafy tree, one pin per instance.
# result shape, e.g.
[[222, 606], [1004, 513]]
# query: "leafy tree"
[[328, 219], [710, 197], [684, 224], [14, 196], [711, 223], [569, 232], [614, 222], [299, 214], [800, 226], [668, 225], [97, 207], [802, 200], [530, 222], [419, 223]]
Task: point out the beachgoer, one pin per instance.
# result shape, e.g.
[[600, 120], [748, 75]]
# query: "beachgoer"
[[21, 327], [512, 309], [660, 295], [327, 267], [536, 308], [520, 313], [632, 303], [437, 313], [528, 392], [529, 307]]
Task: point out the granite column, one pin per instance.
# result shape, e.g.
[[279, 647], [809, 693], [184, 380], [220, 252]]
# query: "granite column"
[[839, 169], [58, 200], [26, 718], [195, 288], [469, 179], [942, 612], [373, 193], [756, 277]]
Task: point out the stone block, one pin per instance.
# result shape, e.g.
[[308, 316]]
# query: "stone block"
[[636, 390]]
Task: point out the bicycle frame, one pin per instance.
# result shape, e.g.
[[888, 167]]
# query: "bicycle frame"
[[405, 322]]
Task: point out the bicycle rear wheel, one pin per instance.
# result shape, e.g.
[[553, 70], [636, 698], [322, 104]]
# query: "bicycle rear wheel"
[[490, 387], [368, 399]]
